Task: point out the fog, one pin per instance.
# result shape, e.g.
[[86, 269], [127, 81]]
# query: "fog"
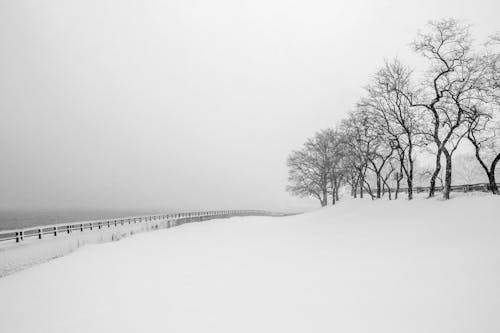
[[186, 104]]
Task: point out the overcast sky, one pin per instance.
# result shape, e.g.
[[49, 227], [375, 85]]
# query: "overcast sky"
[[186, 104]]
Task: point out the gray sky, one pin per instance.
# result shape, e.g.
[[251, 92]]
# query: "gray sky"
[[185, 104]]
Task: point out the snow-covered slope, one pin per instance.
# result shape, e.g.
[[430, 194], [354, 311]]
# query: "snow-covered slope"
[[362, 266], [18, 256]]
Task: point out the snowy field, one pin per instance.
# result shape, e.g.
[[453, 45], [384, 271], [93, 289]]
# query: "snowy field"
[[362, 266], [15, 257]]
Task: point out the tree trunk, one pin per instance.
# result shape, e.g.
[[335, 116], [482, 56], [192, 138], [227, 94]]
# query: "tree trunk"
[[336, 194], [432, 186], [398, 181], [409, 176], [332, 188], [361, 187], [493, 185], [409, 183], [491, 175], [447, 179], [386, 186], [379, 185], [324, 199], [369, 189]]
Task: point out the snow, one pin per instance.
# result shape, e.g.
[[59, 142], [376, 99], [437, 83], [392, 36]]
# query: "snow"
[[18, 256], [361, 266]]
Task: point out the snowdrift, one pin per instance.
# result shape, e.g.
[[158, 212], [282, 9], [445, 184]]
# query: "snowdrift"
[[361, 266]]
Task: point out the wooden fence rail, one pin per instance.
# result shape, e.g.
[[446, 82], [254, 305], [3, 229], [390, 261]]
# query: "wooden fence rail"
[[56, 230], [484, 187]]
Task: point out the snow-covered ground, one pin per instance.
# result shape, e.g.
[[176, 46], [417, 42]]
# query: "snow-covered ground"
[[362, 266], [18, 256]]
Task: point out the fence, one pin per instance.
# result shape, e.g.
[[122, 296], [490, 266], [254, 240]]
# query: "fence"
[[154, 222], [484, 187]]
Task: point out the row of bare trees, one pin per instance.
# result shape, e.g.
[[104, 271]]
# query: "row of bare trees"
[[455, 99]]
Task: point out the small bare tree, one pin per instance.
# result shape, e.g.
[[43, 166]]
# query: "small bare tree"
[[310, 168], [305, 176]]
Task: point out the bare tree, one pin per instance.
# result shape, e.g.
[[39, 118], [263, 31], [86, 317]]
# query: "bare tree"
[[360, 144], [483, 128], [336, 154], [304, 176], [394, 116], [351, 178], [377, 162], [377, 146], [310, 168], [446, 93], [483, 133]]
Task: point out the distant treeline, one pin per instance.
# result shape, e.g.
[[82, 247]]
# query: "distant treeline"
[[400, 117]]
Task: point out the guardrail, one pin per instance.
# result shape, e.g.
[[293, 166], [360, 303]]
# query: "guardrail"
[[170, 220]]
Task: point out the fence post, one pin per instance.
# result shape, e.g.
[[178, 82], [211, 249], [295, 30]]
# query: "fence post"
[[55, 231], [39, 233]]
